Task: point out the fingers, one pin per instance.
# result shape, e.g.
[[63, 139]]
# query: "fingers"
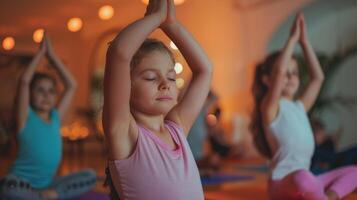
[[171, 7], [170, 4], [296, 28], [302, 22], [150, 7], [170, 17], [43, 44], [296, 20], [303, 31], [47, 41], [157, 6], [162, 5]]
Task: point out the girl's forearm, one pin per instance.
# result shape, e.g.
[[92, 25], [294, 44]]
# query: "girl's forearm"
[[65, 75], [314, 66], [189, 47], [129, 39], [30, 70]]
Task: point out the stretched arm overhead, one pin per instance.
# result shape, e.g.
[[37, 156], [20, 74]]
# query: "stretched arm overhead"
[[118, 123], [271, 101], [311, 91], [189, 107], [22, 100], [67, 78]]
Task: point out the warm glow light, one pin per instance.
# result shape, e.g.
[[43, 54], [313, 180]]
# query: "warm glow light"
[[178, 68], [106, 12], [211, 119], [180, 83], [74, 24], [38, 35], [173, 46], [8, 43], [75, 131], [177, 2], [65, 132]]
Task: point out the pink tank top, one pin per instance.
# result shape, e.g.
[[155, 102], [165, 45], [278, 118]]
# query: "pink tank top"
[[156, 172]]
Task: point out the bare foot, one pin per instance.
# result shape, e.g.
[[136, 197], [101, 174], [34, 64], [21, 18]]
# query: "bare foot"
[[49, 194], [332, 195]]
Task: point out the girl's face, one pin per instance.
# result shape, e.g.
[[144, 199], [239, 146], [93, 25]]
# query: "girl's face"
[[291, 80], [153, 84], [43, 95]]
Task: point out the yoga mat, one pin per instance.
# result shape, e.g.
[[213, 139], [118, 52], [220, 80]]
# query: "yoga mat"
[[223, 178], [255, 168], [93, 196]]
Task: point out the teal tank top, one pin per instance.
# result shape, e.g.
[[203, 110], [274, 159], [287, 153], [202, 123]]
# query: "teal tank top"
[[40, 150]]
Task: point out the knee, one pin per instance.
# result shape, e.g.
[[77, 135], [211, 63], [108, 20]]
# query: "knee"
[[351, 169], [304, 182]]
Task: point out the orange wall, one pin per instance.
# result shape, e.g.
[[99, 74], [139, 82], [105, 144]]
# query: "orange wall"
[[234, 38]]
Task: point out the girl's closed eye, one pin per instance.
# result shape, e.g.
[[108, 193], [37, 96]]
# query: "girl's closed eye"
[[150, 77], [171, 76], [53, 91], [40, 90]]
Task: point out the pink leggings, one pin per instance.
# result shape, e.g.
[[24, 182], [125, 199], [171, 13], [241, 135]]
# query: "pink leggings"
[[302, 184]]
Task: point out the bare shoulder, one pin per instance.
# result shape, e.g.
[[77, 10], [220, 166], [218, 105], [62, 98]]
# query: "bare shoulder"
[[269, 111], [123, 140], [174, 116]]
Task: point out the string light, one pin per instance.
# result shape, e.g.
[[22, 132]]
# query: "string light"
[[106, 12], [74, 24], [180, 83], [8, 43], [38, 35], [177, 2], [178, 68]]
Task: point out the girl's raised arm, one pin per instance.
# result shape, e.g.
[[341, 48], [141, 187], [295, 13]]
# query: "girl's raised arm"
[[68, 80], [22, 100], [191, 104], [270, 103], [117, 119], [311, 91]]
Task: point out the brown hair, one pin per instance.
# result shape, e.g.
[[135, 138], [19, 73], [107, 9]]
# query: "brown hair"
[[108, 182], [40, 76], [150, 45], [259, 91]]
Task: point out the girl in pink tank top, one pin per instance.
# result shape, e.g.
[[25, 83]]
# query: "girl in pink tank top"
[[144, 123]]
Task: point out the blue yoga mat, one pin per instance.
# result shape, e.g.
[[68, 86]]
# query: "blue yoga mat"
[[255, 168], [223, 178]]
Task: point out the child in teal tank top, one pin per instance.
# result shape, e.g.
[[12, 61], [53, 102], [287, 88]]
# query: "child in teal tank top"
[[36, 161], [38, 120]]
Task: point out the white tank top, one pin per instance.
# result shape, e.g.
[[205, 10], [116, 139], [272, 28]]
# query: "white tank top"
[[293, 134]]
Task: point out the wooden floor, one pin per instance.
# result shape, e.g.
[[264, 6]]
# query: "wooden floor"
[[252, 189]]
